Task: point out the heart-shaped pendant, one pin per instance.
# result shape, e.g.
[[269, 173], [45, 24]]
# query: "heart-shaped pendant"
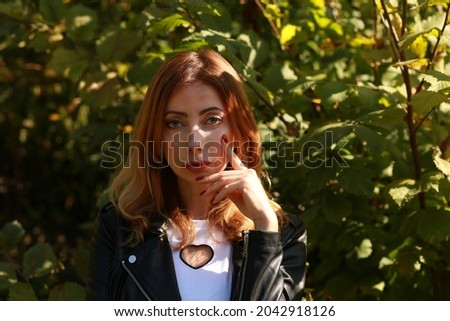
[[196, 256]]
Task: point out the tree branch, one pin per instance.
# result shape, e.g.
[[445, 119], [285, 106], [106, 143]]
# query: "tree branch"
[[272, 25], [430, 62], [400, 56]]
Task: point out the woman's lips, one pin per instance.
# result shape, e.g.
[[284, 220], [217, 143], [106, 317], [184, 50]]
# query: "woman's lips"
[[200, 165]]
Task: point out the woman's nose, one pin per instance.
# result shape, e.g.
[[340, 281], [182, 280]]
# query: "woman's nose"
[[195, 139]]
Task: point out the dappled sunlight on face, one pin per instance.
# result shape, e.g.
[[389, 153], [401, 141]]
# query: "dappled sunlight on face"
[[195, 121]]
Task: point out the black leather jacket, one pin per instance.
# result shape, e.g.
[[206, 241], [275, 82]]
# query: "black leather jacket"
[[268, 266]]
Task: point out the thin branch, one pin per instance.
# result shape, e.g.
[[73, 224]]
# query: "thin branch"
[[430, 61], [404, 13], [393, 39], [265, 100], [194, 22], [391, 27], [433, 55], [268, 104], [375, 46], [400, 56], [423, 119], [272, 25]]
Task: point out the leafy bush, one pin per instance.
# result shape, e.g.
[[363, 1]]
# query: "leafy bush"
[[352, 98], [32, 273]]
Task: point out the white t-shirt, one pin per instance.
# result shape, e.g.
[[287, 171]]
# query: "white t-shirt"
[[210, 278]]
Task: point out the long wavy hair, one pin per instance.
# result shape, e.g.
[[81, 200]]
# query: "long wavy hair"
[[144, 188]]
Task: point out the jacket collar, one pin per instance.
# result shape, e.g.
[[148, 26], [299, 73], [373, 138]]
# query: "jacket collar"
[[151, 267]]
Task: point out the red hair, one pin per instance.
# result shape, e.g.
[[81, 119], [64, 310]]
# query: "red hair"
[[141, 192]]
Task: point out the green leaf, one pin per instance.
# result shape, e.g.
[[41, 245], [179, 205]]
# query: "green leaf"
[[409, 39], [332, 93], [294, 104], [277, 76], [364, 250], [212, 14], [384, 117], [357, 181], [68, 291], [373, 140], [433, 225], [168, 24], [423, 101], [435, 75], [322, 21], [116, 44], [39, 260], [368, 97], [102, 93], [438, 2], [69, 63], [7, 276], [438, 81], [259, 89], [200, 6], [143, 70], [407, 259], [403, 191], [21, 292], [11, 235], [335, 209], [430, 180], [335, 30], [439, 86], [82, 23], [332, 133], [51, 10], [341, 286], [441, 164], [255, 51]]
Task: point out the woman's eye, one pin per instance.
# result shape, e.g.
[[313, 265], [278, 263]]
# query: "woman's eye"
[[173, 123], [214, 120]]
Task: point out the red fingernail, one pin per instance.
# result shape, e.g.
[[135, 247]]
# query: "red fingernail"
[[203, 192], [199, 178], [225, 139]]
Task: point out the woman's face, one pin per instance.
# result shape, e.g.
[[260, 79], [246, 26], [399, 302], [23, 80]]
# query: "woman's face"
[[194, 123]]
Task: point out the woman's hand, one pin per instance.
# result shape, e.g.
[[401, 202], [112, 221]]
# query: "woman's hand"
[[243, 187]]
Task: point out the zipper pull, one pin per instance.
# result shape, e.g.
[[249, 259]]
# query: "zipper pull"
[[245, 235]]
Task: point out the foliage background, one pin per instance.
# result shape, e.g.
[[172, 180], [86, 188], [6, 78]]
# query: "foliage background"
[[352, 98]]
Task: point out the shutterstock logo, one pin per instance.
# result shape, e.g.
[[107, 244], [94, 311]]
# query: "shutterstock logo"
[[325, 152]]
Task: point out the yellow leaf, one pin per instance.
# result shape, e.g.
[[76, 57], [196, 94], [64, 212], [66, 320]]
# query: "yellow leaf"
[[362, 42], [419, 47], [288, 33], [318, 3]]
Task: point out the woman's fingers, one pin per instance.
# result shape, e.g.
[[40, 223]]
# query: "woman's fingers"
[[227, 191], [230, 155], [217, 183]]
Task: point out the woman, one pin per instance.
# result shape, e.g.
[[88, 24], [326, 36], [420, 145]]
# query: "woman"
[[189, 218]]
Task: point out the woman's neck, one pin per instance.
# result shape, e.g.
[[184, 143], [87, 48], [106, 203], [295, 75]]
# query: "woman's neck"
[[196, 206]]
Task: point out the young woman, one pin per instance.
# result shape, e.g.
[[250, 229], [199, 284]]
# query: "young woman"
[[189, 218]]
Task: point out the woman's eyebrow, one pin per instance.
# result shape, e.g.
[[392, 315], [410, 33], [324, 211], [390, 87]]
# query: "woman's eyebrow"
[[181, 113], [215, 108], [184, 114]]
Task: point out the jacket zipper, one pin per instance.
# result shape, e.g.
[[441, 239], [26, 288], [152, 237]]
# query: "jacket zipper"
[[135, 281], [244, 263]]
